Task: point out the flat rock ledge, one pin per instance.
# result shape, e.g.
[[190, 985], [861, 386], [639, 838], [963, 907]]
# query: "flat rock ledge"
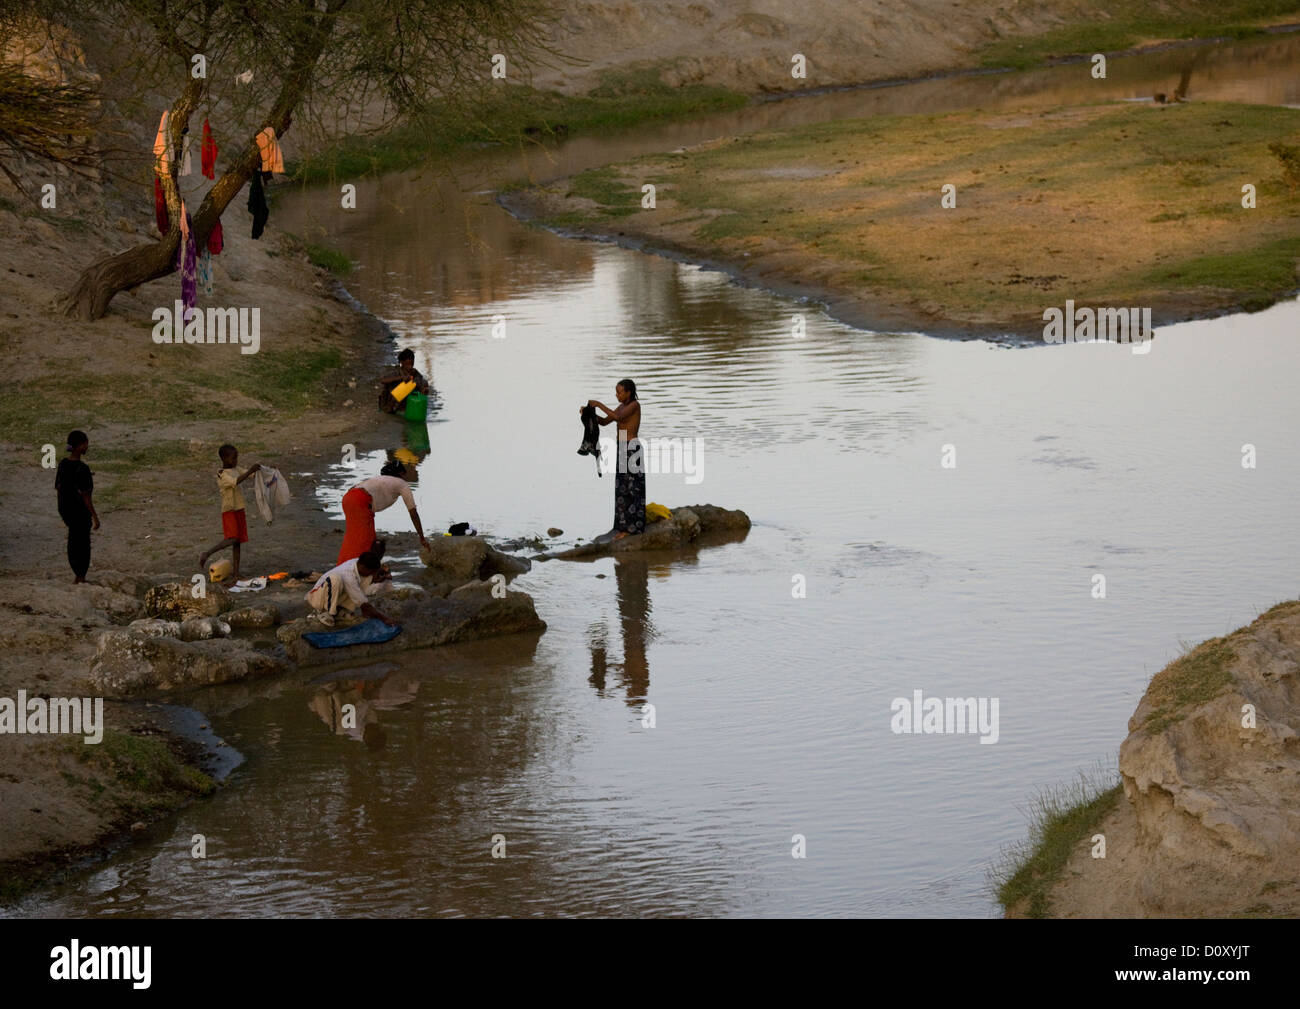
[[472, 611], [690, 526], [161, 653]]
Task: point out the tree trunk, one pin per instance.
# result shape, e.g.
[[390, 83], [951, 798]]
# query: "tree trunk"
[[100, 282], [103, 279]]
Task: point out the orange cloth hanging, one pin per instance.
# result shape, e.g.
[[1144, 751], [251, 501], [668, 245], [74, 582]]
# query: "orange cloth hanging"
[[269, 148], [162, 157]]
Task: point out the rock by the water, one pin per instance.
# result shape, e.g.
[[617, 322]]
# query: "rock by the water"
[[472, 611], [154, 628], [263, 615], [174, 601], [690, 525], [204, 628], [130, 662], [1208, 825], [454, 560], [553, 531]]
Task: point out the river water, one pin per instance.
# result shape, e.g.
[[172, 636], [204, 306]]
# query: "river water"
[[772, 711]]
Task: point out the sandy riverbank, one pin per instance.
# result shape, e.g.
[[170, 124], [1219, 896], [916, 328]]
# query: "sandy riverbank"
[[1118, 204]]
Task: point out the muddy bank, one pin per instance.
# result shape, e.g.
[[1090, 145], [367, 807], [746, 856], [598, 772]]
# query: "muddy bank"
[[1208, 825]]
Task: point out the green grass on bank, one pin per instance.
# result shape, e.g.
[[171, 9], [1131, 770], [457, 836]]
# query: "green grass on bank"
[[156, 779], [1188, 682], [1122, 24], [1257, 274], [329, 258], [1060, 819], [511, 114]]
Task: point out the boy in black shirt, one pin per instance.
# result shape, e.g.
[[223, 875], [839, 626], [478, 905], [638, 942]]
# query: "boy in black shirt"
[[74, 483]]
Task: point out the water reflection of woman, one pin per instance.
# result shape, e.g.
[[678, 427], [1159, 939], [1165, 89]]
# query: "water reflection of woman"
[[633, 580]]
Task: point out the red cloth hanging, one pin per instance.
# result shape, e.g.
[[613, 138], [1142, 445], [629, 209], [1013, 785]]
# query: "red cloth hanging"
[[209, 152], [160, 206], [216, 240]]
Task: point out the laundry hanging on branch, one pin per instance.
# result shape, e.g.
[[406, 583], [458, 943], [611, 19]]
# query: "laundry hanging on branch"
[[209, 152], [257, 205], [272, 156]]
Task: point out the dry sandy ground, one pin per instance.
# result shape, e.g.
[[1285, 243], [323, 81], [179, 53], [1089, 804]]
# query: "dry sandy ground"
[[748, 46]]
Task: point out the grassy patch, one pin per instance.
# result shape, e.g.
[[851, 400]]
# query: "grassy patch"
[[514, 114], [330, 259], [146, 766], [1060, 818], [1258, 275], [43, 410], [604, 187], [1121, 24], [1189, 681]]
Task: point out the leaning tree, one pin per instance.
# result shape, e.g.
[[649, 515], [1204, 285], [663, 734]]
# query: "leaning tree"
[[267, 62]]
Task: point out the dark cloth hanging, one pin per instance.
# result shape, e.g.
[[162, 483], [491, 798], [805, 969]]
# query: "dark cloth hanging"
[[216, 240], [209, 152], [590, 436], [160, 206], [257, 205]]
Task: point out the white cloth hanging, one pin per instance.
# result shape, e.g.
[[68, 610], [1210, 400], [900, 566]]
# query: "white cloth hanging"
[[270, 491]]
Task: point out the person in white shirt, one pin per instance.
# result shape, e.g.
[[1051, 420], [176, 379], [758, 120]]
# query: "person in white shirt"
[[368, 497], [348, 587]]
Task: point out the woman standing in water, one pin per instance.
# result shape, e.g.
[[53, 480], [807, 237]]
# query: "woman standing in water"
[[74, 483], [629, 477]]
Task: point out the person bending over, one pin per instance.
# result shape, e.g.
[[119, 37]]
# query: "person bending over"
[[349, 587]]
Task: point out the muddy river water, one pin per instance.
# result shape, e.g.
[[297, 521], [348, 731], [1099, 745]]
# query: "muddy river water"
[[772, 711]]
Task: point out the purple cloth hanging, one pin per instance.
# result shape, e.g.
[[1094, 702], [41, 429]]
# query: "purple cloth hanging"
[[189, 269]]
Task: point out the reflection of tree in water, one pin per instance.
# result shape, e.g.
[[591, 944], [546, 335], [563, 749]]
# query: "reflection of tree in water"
[[683, 308], [632, 578]]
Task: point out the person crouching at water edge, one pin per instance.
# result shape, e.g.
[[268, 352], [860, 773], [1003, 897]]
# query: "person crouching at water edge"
[[406, 372], [629, 478], [73, 484], [370, 496], [349, 587]]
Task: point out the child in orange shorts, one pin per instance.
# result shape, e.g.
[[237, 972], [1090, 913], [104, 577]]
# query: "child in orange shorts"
[[234, 525]]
